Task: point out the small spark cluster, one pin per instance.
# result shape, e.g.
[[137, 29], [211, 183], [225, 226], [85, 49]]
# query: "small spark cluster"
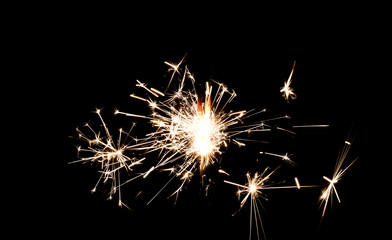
[[287, 91], [108, 154], [190, 131], [328, 192]]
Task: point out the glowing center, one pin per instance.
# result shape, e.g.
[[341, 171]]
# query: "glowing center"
[[203, 131], [252, 188], [116, 154]]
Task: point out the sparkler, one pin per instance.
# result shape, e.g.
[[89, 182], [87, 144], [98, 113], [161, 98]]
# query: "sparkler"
[[192, 129], [189, 134], [328, 192]]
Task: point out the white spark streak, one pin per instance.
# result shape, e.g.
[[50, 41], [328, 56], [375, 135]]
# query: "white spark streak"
[[327, 192]]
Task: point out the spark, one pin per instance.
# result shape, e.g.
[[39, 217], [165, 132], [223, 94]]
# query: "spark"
[[148, 172], [286, 89], [254, 190], [297, 183], [285, 158], [311, 126], [329, 191], [175, 68], [109, 154], [223, 172]]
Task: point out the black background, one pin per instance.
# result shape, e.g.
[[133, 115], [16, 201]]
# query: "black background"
[[87, 59]]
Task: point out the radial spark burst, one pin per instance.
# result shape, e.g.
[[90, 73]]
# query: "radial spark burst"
[[254, 190], [109, 154], [190, 129], [328, 192]]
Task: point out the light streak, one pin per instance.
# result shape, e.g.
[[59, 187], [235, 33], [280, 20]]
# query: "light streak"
[[175, 68], [223, 172], [285, 157], [311, 126], [286, 89], [148, 172], [327, 193], [297, 183]]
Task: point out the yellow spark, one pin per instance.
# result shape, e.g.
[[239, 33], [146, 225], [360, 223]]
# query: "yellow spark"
[[240, 144], [297, 182], [186, 175], [143, 85], [286, 89], [148, 172], [157, 91], [109, 154], [328, 192], [333, 181], [253, 190], [285, 157], [175, 68], [137, 97], [223, 172], [153, 105]]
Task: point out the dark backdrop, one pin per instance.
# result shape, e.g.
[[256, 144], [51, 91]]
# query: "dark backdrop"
[[93, 61]]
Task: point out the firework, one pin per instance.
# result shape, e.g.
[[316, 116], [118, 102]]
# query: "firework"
[[328, 192]]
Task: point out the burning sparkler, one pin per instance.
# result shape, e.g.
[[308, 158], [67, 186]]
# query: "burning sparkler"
[[190, 128], [189, 132], [328, 192]]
